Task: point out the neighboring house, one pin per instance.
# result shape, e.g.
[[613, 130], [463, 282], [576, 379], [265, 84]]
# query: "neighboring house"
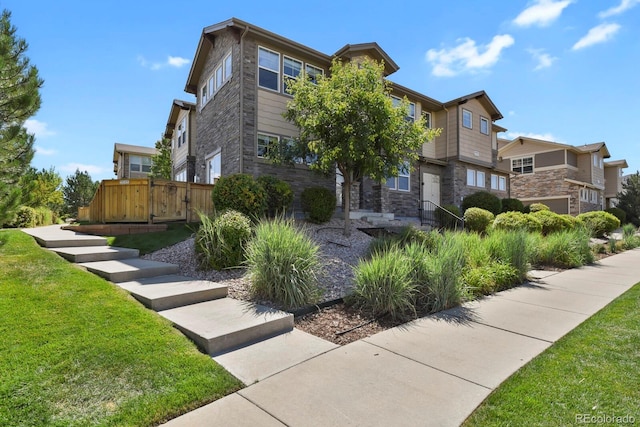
[[132, 161], [238, 77], [613, 179], [181, 130], [569, 179]]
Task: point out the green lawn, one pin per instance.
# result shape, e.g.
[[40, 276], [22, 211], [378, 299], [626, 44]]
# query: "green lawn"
[[150, 242], [590, 376], [76, 350]]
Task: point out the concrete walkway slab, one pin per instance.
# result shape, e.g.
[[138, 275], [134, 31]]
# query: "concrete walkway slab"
[[364, 385], [221, 325], [544, 323], [171, 291], [560, 299], [53, 236], [233, 410], [266, 358], [460, 348], [129, 269], [81, 254]]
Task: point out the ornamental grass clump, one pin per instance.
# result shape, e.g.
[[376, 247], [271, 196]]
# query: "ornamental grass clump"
[[220, 241], [490, 278], [385, 284], [629, 238], [511, 247], [283, 264], [445, 267], [566, 249]]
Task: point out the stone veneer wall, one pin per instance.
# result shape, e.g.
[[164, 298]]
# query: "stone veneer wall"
[[454, 186]]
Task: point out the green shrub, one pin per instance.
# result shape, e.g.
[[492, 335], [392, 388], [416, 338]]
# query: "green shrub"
[[385, 284], [410, 234], [566, 249], [511, 247], [551, 221], [490, 278], [537, 207], [512, 205], [478, 219], [476, 251], [279, 194], [484, 200], [599, 222], [517, 221], [618, 213], [572, 221], [283, 264], [629, 238], [318, 203], [26, 217], [443, 289], [44, 216], [445, 219], [239, 192], [220, 241]]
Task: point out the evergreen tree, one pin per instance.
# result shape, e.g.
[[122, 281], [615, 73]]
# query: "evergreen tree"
[[162, 165], [629, 198], [78, 191], [19, 100]]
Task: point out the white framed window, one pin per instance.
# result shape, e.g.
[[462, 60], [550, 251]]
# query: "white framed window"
[[182, 132], [411, 109], [203, 95], [266, 143], [219, 77], [523, 165], [140, 164], [291, 69], [467, 119], [181, 176], [584, 195], [228, 67], [593, 197], [313, 72], [212, 85], [268, 68], [403, 181], [428, 123], [213, 164], [498, 182], [475, 178], [484, 126]]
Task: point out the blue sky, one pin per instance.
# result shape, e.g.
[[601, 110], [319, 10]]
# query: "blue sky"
[[563, 70]]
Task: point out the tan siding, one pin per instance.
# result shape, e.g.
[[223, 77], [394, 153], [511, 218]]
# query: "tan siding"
[[584, 167], [270, 108], [551, 158], [474, 144], [440, 143], [613, 183], [180, 154]]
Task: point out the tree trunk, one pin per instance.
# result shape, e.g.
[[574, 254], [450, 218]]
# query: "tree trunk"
[[346, 205]]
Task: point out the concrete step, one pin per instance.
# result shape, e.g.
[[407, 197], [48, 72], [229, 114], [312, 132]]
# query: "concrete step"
[[95, 253], [225, 324], [54, 237], [129, 269], [167, 292]]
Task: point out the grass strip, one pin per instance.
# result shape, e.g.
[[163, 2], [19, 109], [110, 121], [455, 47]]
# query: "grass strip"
[[76, 350], [590, 376], [150, 242]]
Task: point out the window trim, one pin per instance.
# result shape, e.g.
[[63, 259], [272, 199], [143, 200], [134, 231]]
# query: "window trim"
[[207, 163], [227, 66], [464, 110], [522, 165], [287, 76], [141, 162], [429, 122], [277, 141], [404, 172], [498, 182], [306, 70], [277, 72], [484, 120], [473, 178]]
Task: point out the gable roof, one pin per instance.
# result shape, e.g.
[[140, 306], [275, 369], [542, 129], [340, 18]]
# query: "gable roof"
[[119, 148], [373, 50], [176, 106], [239, 28], [616, 163], [483, 98], [580, 149]]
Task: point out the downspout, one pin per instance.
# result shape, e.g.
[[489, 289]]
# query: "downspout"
[[446, 144], [241, 101], [457, 144]]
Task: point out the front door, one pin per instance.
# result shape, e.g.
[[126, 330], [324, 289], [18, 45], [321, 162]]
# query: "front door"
[[431, 188]]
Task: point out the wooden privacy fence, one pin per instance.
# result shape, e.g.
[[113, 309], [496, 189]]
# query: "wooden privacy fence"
[[149, 200]]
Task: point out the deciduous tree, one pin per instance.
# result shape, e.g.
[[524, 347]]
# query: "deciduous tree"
[[162, 164], [19, 100], [348, 121]]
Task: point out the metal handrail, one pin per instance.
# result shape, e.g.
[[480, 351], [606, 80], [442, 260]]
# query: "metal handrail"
[[438, 217]]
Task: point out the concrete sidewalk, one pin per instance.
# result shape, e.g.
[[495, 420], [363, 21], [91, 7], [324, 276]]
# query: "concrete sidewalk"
[[431, 372]]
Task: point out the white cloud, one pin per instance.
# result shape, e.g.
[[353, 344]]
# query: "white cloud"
[[543, 59], [466, 56], [542, 136], [38, 128], [176, 61], [172, 61], [512, 113], [598, 34], [622, 7], [44, 151], [541, 13], [92, 169]]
